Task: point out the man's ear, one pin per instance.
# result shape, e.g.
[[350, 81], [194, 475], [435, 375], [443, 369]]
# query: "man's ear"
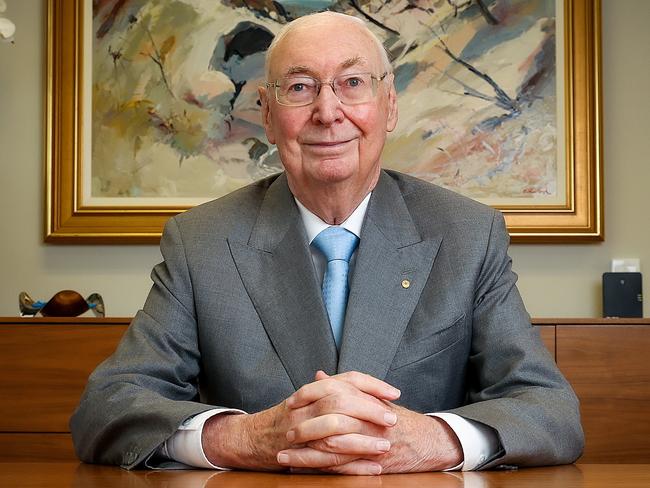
[[391, 120], [266, 113]]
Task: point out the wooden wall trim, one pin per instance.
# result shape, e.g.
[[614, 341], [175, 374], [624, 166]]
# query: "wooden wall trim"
[[65, 320], [127, 321], [588, 321]]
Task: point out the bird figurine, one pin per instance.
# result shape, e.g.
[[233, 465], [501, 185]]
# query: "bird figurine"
[[66, 303]]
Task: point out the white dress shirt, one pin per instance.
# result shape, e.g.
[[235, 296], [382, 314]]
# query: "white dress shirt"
[[479, 442]]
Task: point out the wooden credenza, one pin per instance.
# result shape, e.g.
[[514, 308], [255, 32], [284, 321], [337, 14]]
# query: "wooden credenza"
[[606, 362], [45, 363]]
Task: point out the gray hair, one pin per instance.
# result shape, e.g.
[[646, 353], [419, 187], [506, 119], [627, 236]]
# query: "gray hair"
[[308, 19]]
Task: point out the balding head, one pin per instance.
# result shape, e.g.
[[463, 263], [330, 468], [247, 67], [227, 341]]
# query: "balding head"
[[317, 20]]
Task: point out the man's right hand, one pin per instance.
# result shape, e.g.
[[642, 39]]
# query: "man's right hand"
[[253, 441]]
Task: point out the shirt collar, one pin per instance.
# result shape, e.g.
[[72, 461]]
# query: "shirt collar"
[[314, 225]]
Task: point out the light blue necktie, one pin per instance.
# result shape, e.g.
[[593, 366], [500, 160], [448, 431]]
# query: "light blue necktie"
[[337, 245]]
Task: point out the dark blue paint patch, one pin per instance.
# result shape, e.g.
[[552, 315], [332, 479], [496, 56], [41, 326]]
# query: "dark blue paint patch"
[[404, 74]]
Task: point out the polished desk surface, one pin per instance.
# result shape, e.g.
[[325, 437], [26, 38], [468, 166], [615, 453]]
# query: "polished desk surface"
[[84, 475]]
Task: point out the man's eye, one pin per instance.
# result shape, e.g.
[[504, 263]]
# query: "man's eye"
[[296, 87], [353, 82]]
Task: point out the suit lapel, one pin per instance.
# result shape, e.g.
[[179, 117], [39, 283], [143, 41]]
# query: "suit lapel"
[[393, 264], [277, 270]]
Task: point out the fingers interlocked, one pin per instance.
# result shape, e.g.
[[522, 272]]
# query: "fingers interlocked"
[[344, 424]]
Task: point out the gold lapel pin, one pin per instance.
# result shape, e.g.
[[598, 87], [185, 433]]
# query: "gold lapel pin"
[[406, 284]]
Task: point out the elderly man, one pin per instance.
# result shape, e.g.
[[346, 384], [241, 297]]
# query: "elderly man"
[[335, 317]]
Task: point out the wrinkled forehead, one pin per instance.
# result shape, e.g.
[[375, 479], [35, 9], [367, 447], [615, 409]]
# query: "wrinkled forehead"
[[350, 64], [324, 47]]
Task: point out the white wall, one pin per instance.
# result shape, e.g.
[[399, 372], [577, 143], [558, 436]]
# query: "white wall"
[[555, 280]]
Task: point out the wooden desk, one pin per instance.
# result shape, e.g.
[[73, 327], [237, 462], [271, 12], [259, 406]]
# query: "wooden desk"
[[53, 475], [45, 362]]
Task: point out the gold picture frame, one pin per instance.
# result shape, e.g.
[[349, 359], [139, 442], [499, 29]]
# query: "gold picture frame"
[[67, 220]]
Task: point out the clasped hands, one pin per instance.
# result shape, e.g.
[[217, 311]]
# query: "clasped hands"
[[343, 424]]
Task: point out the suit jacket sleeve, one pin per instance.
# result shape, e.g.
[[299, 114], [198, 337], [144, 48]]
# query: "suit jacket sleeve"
[[514, 385], [139, 396]]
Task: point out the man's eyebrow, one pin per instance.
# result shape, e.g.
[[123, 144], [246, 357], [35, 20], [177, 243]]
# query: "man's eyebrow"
[[351, 62], [299, 70]]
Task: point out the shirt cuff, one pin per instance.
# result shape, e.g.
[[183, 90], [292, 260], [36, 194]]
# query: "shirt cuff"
[[478, 441], [185, 444]]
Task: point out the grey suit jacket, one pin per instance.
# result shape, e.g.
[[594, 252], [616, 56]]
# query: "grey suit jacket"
[[235, 318]]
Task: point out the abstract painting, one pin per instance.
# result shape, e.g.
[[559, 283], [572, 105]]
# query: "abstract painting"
[[175, 110]]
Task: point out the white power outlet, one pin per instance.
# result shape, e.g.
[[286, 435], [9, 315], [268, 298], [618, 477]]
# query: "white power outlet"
[[627, 265]]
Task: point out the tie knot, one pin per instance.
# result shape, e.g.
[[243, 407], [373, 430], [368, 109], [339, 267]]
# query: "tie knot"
[[336, 243]]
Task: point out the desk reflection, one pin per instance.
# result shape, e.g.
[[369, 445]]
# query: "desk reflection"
[[88, 476]]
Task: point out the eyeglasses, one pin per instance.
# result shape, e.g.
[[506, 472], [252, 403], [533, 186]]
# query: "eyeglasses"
[[351, 89]]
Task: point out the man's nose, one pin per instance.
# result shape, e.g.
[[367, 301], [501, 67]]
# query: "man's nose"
[[327, 106]]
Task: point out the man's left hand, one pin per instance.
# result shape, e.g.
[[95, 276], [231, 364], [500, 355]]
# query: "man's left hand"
[[416, 442]]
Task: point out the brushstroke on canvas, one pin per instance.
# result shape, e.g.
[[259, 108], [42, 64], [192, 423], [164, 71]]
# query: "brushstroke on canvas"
[[175, 111]]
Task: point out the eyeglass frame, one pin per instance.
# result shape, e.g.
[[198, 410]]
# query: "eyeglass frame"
[[319, 84]]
